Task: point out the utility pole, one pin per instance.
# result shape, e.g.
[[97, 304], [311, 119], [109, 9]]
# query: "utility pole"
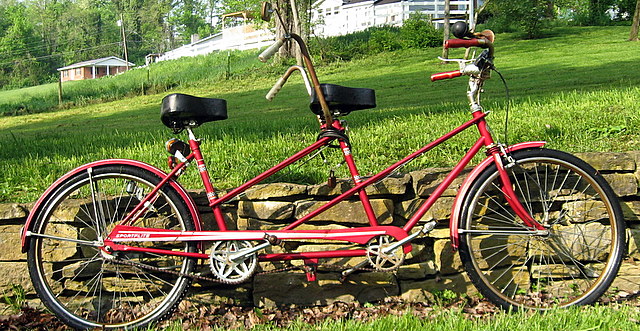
[[60, 89], [124, 40], [447, 28]]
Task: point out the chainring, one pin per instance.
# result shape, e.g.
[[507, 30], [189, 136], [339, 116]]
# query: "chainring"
[[227, 270], [381, 260]]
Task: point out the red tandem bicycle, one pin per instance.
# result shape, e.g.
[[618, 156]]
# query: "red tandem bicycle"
[[115, 243]]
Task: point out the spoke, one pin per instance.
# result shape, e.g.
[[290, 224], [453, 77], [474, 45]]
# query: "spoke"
[[511, 216], [522, 192]]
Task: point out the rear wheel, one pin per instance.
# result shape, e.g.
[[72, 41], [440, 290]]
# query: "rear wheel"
[[573, 263], [88, 288]]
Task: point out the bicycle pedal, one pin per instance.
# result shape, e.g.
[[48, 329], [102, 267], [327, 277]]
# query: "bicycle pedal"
[[311, 269], [428, 227]]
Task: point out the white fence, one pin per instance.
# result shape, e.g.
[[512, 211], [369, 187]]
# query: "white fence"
[[240, 38]]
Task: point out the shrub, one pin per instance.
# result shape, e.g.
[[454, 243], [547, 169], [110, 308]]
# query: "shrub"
[[418, 32], [384, 40]]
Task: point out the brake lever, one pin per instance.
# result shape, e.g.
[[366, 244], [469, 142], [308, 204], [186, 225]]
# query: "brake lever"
[[461, 62]]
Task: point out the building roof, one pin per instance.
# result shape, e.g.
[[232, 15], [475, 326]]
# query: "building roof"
[[110, 61], [351, 2], [384, 2]]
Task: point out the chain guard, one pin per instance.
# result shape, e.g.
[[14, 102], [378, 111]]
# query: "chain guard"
[[380, 260], [227, 270]]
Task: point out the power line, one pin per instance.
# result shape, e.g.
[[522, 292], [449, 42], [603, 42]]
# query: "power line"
[[42, 44], [63, 53]]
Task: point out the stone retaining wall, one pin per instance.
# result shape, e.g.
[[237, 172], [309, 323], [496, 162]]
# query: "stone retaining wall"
[[432, 266]]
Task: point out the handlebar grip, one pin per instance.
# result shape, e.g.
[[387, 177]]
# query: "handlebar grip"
[[275, 89], [458, 43], [268, 53], [446, 75]]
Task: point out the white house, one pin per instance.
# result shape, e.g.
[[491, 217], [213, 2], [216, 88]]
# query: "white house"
[[331, 18], [338, 17]]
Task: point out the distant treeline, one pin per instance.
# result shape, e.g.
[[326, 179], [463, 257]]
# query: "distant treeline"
[[39, 36]]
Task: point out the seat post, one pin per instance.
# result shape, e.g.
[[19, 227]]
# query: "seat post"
[[212, 196], [192, 136]]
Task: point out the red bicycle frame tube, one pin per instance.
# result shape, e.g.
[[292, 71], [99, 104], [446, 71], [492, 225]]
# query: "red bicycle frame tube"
[[133, 215], [206, 180], [355, 175]]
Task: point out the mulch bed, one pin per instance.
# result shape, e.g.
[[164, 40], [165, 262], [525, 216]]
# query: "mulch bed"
[[205, 317]]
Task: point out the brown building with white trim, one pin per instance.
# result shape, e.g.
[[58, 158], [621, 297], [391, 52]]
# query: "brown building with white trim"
[[97, 68]]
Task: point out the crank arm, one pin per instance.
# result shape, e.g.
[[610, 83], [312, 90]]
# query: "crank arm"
[[243, 254], [425, 229]]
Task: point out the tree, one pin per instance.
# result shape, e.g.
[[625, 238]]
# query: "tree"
[[19, 49], [188, 19], [528, 15], [633, 35], [598, 11]]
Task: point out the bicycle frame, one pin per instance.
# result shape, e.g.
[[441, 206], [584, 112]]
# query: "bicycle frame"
[[127, 233]]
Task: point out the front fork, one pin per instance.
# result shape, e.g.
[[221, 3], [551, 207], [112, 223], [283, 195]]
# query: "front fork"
[[507, 188]]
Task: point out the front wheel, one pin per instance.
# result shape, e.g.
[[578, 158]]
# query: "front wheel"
[[572, 262], [89, 288]]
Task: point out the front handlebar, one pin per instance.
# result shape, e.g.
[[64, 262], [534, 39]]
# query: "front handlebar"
[[480, 64], [458, 43], [446, 75]]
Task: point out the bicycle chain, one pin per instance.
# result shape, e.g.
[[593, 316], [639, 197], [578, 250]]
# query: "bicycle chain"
[[331, 267]]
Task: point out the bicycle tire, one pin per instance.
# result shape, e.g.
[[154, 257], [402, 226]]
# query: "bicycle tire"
[[87, 289], [574, 264]]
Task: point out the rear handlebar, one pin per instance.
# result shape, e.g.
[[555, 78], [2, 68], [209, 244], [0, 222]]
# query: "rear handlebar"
[[327, 116], [271, 50]]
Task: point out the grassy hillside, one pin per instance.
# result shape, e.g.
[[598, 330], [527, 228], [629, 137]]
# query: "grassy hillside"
[[157, 77], [577, 89]]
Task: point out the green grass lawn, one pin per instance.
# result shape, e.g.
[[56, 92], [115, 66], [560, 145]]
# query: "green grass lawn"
[[19, 95], [578, 89], [605, 317]]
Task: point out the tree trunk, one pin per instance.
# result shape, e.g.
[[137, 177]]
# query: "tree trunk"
[[289, 14], [447, 28], [633, 36], [297, 29]]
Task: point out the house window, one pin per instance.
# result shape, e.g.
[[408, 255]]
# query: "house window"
[[65, 73], [78, 71]]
